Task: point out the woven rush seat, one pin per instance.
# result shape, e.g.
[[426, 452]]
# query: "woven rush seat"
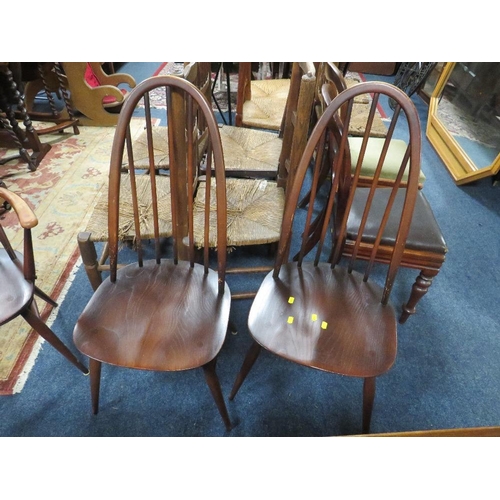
[[251, 151], [254, 213], [160, 149], [267, 106], [98, 224], [361, 108]]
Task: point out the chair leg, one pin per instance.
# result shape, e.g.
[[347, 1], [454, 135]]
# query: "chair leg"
[[368, 398], [250, 358], [32, 316], [89, 259], [214, 386], [419, 289], [44, 296], [95, 383]]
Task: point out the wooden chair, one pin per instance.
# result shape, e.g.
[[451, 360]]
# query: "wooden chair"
[[17, 278], [333, 83], [163, 314], [317, 312], [260, 103], [95, 94], [255, 206], [425, 248], [261, 154], [150, 147]]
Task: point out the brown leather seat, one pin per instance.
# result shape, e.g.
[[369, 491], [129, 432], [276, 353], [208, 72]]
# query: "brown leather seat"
[[424, 235]]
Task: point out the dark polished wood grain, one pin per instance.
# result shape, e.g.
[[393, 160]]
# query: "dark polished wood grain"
[[171, 317], [336, 322]]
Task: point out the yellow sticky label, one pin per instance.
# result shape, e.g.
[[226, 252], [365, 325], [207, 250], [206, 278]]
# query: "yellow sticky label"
[[324, 325], [290, 320], [314, 317], [291, 300]]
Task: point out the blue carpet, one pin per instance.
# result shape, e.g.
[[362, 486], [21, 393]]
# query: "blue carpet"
[[446, 374]]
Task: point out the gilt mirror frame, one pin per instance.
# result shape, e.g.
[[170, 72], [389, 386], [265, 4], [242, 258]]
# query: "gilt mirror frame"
[[459, 164]]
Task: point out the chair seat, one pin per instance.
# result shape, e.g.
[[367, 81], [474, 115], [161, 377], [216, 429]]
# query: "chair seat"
[[267, 106], [325, 319], [424, 236], [98, 223], [160, 149], [393, 159], [254, 213], [248, 151], [15, 291], [155, 318]]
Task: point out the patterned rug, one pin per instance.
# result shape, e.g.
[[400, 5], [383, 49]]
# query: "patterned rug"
[[62, 193]]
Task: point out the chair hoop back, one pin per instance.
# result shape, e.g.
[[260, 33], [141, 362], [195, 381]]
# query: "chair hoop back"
[[343, 187], [187, 110]]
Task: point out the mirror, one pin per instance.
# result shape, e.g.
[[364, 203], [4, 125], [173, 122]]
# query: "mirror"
[[464, 120]]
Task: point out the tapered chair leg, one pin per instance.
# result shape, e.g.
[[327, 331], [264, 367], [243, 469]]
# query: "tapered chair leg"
[[250, 358], [368, 398], [32, 316], [95, 383], [44, 296], [214, 386]]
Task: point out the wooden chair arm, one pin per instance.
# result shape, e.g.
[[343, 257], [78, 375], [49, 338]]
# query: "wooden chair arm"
[[26, 216], [115, 79], [105, 90]]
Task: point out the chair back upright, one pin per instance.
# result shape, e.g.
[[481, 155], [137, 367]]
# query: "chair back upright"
[[297, 119], [185, 107], [341, 193]]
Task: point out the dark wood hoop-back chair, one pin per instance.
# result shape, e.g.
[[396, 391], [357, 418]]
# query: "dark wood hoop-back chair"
[[163, 314], [317, 312], [18, 275]]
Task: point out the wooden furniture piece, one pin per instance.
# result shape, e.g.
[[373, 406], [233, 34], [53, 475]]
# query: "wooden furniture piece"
[[255, 206], [463, 120], [163, 314], [149, 147], [333, 84], [18, 275], [260, 103], [12, 135], [95, 94], [258, 154], [316, 312], [425, 248], [49, 78]]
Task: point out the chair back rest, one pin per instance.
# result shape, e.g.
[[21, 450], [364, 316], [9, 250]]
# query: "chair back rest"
[[184, 105], [336, 204], [297, 119]]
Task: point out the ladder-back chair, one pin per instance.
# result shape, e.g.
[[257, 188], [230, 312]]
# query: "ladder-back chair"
[[260, 103]]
